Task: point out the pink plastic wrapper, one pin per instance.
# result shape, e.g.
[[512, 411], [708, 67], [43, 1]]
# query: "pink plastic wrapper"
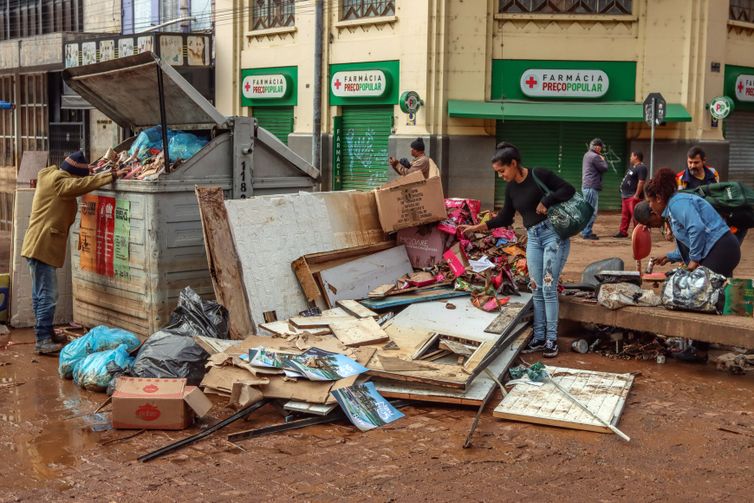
[[460, 212]]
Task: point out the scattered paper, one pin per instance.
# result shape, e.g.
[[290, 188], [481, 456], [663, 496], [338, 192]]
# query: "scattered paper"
[[365, 407], [481, 265], [319, 365]]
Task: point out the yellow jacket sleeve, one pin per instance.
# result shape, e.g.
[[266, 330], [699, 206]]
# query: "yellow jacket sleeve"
[[75, 187]]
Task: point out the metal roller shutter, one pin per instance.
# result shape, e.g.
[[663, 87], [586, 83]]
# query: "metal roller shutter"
[[560, 146], [739, 131], [276, 120], [538, 143], [365, 146]]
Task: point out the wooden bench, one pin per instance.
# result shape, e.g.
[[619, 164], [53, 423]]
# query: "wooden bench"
[[729, 330]]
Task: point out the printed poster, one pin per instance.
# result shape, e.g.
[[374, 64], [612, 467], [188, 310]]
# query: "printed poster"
[[365, 407], [105, 235], [88, 234], [121, 266]]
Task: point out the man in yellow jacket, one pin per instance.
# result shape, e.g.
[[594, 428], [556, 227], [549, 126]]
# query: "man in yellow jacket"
[[52, 213]]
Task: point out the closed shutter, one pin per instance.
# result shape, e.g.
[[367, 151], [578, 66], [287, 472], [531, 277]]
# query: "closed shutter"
[[739, 131], [575, 138], [538, 143], [276, 120], [365, 142]]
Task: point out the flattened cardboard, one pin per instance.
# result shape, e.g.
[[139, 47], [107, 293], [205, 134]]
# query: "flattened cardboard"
[[222, 378], [151, 404], [410, 201]]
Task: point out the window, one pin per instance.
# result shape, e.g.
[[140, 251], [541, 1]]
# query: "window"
[[359, 9], [268, 14], [29, 18], [140, 15], [741, 10], [603, 7]]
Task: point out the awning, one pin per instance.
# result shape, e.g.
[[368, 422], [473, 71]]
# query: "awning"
[[622, 111]]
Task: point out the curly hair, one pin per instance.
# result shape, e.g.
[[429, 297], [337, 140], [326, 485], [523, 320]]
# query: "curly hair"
[[662, 184]]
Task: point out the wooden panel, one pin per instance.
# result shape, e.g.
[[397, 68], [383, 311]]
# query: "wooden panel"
[[358, 332], [603, 393], [224, 264], [729, 330], [354, 308], [476, 392], [355, 279]]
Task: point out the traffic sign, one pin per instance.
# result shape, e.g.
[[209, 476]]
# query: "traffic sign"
[[655, 107]]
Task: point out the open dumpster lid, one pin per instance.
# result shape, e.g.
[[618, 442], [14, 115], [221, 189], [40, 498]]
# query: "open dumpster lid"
[[127, 91]]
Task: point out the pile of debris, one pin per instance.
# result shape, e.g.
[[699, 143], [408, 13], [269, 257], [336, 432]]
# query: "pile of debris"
[[145, 158]]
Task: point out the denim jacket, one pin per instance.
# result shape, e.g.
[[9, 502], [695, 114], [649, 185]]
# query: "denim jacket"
[[695, 223]]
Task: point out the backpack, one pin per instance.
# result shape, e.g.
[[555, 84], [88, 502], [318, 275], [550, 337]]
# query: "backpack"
[[734, 202]]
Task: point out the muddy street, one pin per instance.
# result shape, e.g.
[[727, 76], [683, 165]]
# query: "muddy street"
[[691, 428]]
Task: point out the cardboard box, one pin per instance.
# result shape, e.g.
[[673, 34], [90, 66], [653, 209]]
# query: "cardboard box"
[[157, 404], [424, 244], [409, 201]]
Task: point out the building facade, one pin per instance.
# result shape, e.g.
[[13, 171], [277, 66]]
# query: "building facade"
[[546, 75]]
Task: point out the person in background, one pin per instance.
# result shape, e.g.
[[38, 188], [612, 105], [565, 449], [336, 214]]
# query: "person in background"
[[420, 163], [697, 172], [52, 213], [631, 191], [593, 167], [546, 252], [702, 236]]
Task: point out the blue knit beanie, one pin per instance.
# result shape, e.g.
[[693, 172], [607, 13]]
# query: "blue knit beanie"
[[78, 157]]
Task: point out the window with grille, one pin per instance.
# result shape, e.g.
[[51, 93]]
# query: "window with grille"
[[7, 122], [359, 9], [741, 10], [29, 18], [593, 7], [267, 14]]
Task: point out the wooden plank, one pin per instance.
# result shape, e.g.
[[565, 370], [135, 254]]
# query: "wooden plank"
[[353, 308], [223, 261], [284, 329], [317, 321], [729, 330], [356, 278], [604, 393], [476, 392], [412, 298], [358, 332]]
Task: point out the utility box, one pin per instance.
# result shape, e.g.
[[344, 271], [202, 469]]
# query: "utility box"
[[164, 248]]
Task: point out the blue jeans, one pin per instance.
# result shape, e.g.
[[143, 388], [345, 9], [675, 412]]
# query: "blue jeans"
[[592, 197], [546, 254], [44, 298]]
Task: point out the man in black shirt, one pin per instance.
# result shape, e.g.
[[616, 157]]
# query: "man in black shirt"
[[631, 191]]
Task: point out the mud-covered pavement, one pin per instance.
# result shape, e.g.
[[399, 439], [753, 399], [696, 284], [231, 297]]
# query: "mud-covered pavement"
[[692, 431]]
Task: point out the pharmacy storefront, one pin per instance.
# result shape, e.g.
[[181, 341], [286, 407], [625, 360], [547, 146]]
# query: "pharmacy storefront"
[[738, 127], [272, 94], [365, 94], [551, 110]]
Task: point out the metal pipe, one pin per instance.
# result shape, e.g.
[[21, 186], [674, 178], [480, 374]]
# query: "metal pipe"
[[194, 438], [163, 118], [317, 114], [166, 23]]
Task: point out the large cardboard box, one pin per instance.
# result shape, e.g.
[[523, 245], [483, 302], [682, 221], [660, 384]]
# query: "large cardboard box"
[[409, 201], [157, 404]]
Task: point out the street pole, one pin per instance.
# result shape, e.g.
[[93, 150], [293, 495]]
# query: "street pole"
[[317, 115], [652, 140]]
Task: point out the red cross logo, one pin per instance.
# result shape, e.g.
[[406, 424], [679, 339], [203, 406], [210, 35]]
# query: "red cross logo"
[[247, 86], [337, 84], [740, 87], [531, 82]]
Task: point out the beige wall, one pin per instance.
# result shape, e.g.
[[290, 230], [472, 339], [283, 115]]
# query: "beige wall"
[[445, 48], [102, 16]]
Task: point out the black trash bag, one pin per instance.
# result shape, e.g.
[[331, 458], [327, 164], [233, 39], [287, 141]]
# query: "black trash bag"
[[172, 352], [194, 316], [167, 354]]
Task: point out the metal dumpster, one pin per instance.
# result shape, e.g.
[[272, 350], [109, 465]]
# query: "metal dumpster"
[[164, 249]]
